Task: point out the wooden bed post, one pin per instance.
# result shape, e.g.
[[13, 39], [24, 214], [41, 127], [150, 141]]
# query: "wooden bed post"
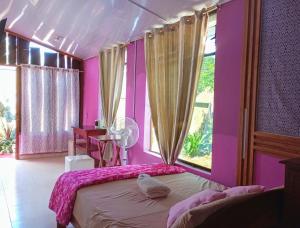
[[58, 225]]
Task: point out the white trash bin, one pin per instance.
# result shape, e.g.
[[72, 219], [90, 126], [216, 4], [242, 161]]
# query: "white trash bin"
[[78, 162]]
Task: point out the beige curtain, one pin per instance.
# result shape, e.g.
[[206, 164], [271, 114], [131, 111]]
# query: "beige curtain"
[[174, 56], [112, 70]]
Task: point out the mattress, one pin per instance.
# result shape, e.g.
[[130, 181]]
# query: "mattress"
[[121, 204]]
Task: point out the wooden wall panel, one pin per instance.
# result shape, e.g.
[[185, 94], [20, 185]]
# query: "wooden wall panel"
[[249, 88], [279, 145], [262, 56]]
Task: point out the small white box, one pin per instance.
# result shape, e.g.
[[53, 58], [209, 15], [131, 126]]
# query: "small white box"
[[78, 162]]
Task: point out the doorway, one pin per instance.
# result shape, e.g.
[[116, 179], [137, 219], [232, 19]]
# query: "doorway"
[[8, 97]]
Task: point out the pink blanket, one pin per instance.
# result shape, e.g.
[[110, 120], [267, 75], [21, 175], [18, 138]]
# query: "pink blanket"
[[64, 193]]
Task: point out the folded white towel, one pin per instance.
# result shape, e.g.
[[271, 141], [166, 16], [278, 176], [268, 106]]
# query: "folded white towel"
[[152, 187]]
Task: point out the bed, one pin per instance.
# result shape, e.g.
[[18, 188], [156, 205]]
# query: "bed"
[[123, 205], [120, 204]]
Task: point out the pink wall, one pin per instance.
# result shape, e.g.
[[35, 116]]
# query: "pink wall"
[[136, 93], [90, 91], [268, 171], [227, 94], [229, 43]]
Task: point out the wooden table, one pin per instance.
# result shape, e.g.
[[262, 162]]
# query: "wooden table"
[[102, 142], [85, 132]]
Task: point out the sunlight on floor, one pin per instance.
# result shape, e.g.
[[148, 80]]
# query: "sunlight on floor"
[[25, 188]]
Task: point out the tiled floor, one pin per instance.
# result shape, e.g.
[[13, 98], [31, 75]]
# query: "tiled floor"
[[25, 188]]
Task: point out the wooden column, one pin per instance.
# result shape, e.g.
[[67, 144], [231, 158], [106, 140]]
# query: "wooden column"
[[18, 111], [249, 88], [78, 64]]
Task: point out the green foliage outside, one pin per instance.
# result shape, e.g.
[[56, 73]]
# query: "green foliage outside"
[[206, 81], [7, 130], [199, 143]]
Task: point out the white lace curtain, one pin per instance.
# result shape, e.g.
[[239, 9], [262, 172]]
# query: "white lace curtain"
[[49, 108]]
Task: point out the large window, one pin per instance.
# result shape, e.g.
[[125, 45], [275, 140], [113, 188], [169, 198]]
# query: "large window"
[[197, 148]]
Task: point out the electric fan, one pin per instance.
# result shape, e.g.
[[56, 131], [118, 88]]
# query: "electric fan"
[[128, 130]]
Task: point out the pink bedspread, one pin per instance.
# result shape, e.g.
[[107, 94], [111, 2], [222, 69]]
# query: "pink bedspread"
[[64, 193]]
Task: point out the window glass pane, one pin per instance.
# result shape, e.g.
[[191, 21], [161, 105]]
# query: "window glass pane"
[[123, 93], [153, 143], [121, 109], [122, 105], [210, 46], [43, 50], [197, 148]]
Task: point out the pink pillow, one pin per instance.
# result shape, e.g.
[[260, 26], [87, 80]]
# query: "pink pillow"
[[244, 190], [203, 197]]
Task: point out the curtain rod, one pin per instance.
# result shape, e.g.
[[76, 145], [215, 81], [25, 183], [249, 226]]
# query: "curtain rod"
[[19, 65], [209, 10], [48, 67]]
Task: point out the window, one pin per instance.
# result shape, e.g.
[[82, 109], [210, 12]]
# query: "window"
[[121, 113], [197, 148], [7, 109], [43, 50]]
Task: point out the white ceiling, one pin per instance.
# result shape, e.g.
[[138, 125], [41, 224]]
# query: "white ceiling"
[[82, 27]]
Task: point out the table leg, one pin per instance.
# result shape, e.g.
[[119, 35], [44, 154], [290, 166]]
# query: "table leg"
[[104, 146], [100, 148], [116, 157], [87, 146], [74, 143]]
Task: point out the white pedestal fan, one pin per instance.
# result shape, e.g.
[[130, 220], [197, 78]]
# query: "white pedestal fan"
[[128, 130]]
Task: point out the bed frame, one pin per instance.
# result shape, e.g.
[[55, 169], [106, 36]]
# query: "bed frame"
[[260, 211]]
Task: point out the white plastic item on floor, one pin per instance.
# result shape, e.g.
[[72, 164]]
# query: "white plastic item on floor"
[[78, 162]]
